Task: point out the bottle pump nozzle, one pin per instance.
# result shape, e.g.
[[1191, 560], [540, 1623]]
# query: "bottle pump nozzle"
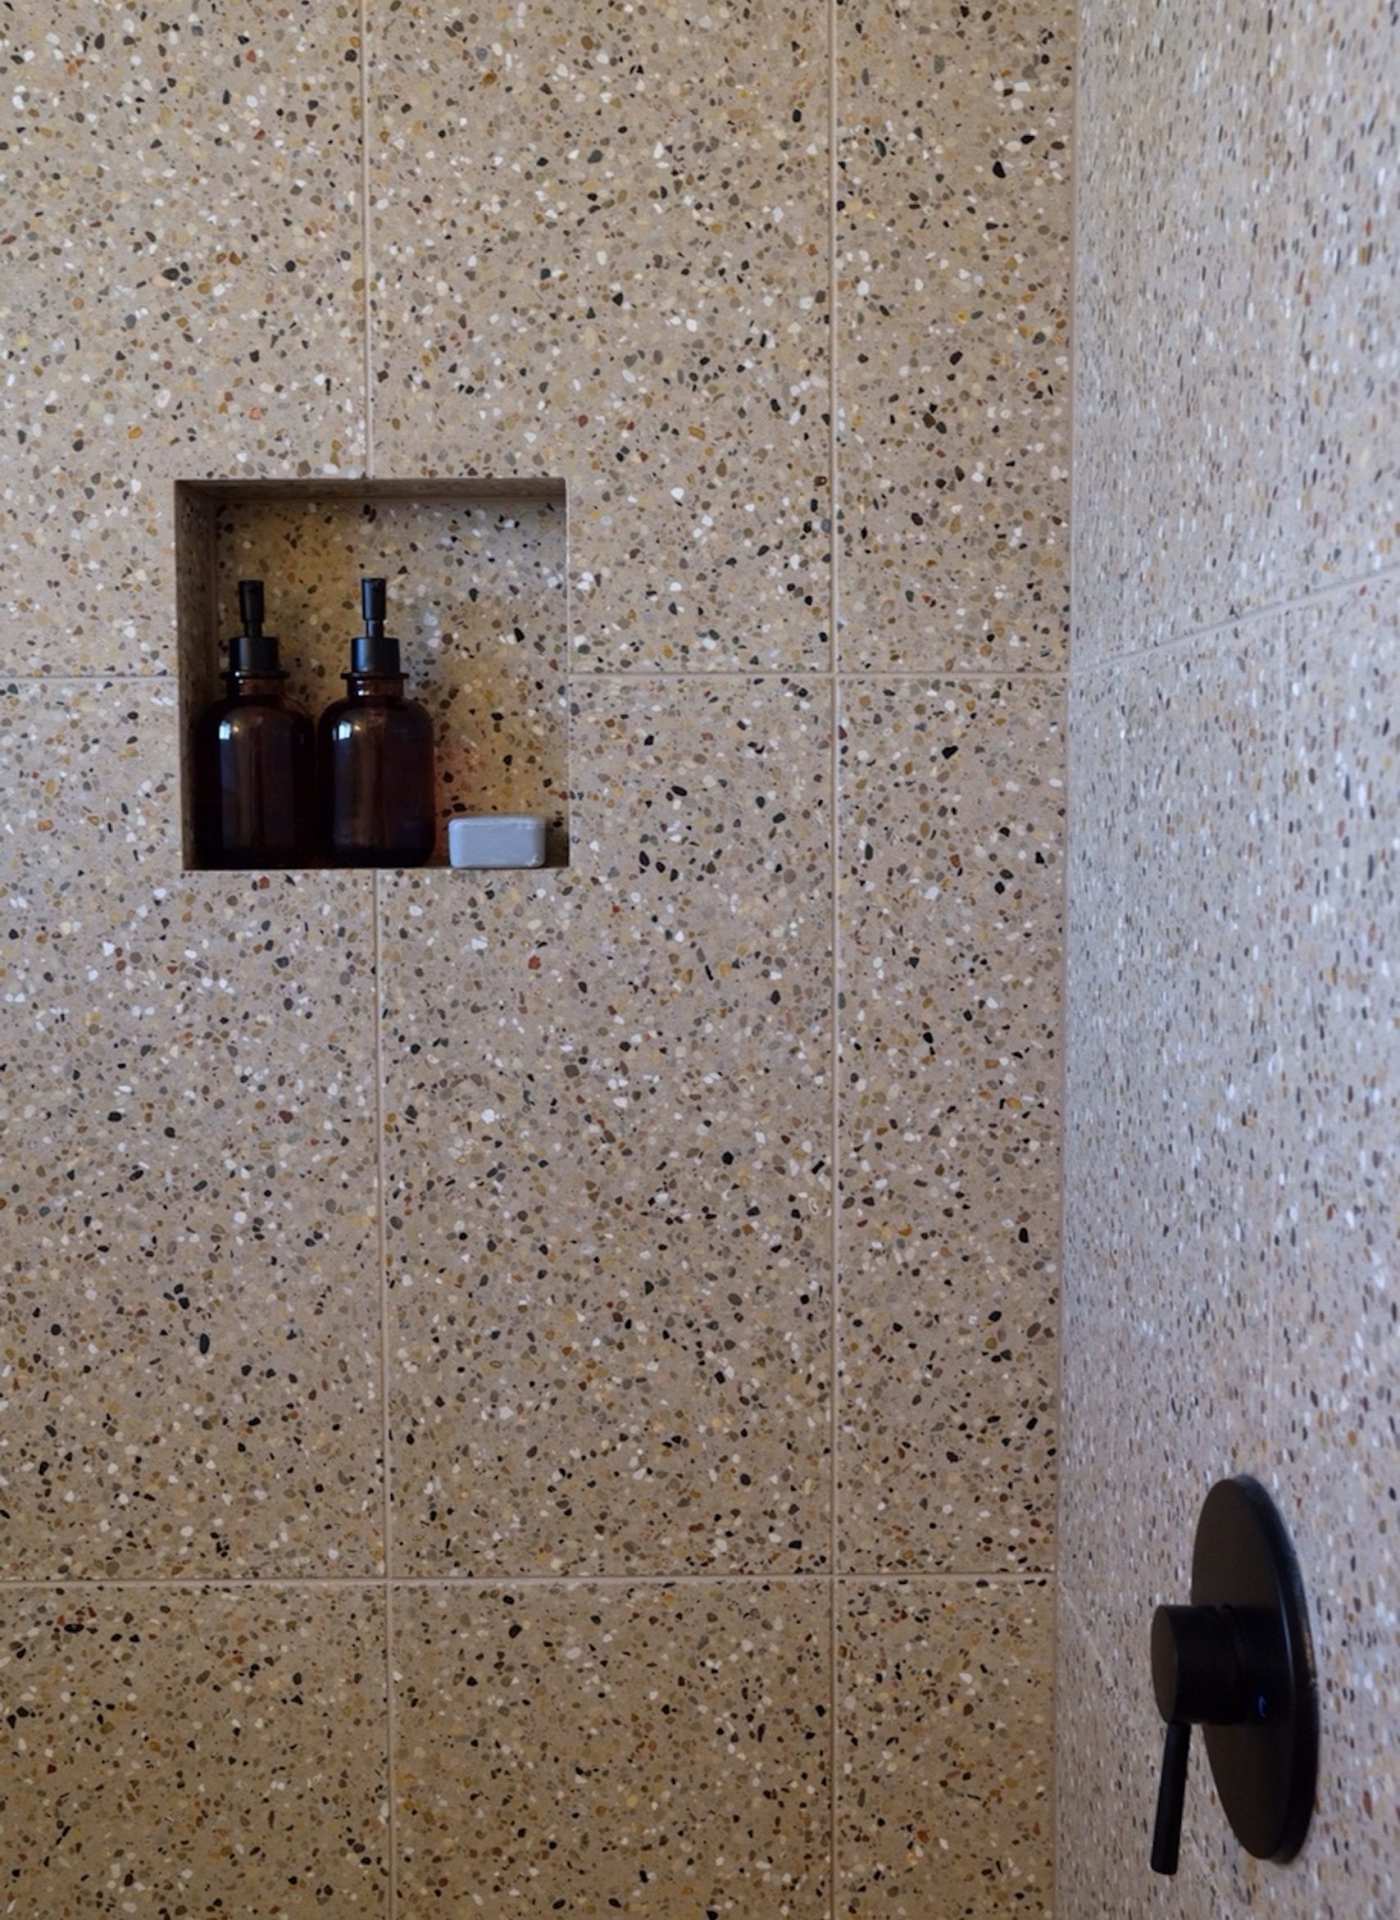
[[250, 606], [253, 651], [374, 651]]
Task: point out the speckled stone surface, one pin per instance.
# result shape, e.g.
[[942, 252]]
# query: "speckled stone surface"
[[1168, 1154], [1196, 1012], [1230, 1250], [1337, 1344], [597, 1749], [953, 260], [182, 295], [187, 1206], [943, 1792], [591, 241], [172, 1750], [599, 237], [607, 1138], [1343, 114], [1237, 369], [1170, 1299], [477, 599], [1108, 1741], [1095, 889], [952, 803], [1183, 432]]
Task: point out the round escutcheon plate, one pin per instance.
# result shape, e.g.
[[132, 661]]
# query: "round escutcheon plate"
[[1265, 1766]]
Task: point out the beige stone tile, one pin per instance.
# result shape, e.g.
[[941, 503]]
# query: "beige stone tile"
[[1108, 1744], [1096, 885], [477, 596], [608, 1150], [182, 297], [1113, 1791], [599, 237], [1184, 472], [1339, 98], [1236, 370], [1175, 1314], [1150, 1434], [952, 803], [1100, 888], [944, 1699], [953, 248], [1336, 1353], [587, 1749], [172, 1750], [189, 1302], [1198, 1018]]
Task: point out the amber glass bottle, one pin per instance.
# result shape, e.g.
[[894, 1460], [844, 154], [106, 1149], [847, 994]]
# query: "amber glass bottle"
[[253, 759], [378, 784]]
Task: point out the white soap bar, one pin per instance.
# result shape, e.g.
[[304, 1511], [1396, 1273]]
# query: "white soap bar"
[[496, 839]]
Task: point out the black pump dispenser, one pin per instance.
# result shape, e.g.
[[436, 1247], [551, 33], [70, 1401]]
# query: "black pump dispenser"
[[374, 651], [378, 788], [253, 754], [253, 651]]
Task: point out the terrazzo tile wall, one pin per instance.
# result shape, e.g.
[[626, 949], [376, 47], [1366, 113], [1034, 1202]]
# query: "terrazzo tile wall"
[[1234, 1026], [535, 1393]]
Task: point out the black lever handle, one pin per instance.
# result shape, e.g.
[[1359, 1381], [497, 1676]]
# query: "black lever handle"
[[1198, 1679], [1238, 1664], [1171, 1797]]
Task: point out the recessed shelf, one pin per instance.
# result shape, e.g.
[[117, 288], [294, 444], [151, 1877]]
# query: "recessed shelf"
[[478, 596]]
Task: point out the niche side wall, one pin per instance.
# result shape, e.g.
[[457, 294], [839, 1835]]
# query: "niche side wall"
[[539, 1389], [1234, 1029]]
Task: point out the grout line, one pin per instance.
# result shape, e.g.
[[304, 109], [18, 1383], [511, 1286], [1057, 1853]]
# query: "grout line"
[[937, 676], [586, 675], [162, 677], [391, 1840], [364, 238], [1294, 603], [1061, 1411], [377, 1583], [381, 1180], [194, 1584], [834, 656], [370, 1582], [381, 1234], [598, 676]]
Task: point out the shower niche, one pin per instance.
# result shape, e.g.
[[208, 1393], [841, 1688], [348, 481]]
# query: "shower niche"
[[478, 596]]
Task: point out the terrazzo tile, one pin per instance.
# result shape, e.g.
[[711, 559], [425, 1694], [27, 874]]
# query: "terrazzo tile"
[[607, 1143], [1099, 885], [1184, 444], [583, 1749], [599, 236], [1114, 1702], [477, 596], [1235, 377], [1108, 1742], [953, 257], [189, 1320], [952, 801], [1341, 108], [1179, 1321], [169, 1750], [1149, 1439], [1198, 1006], [1337, 1354], [1095, 880], [944, 1693], [182, 296]]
